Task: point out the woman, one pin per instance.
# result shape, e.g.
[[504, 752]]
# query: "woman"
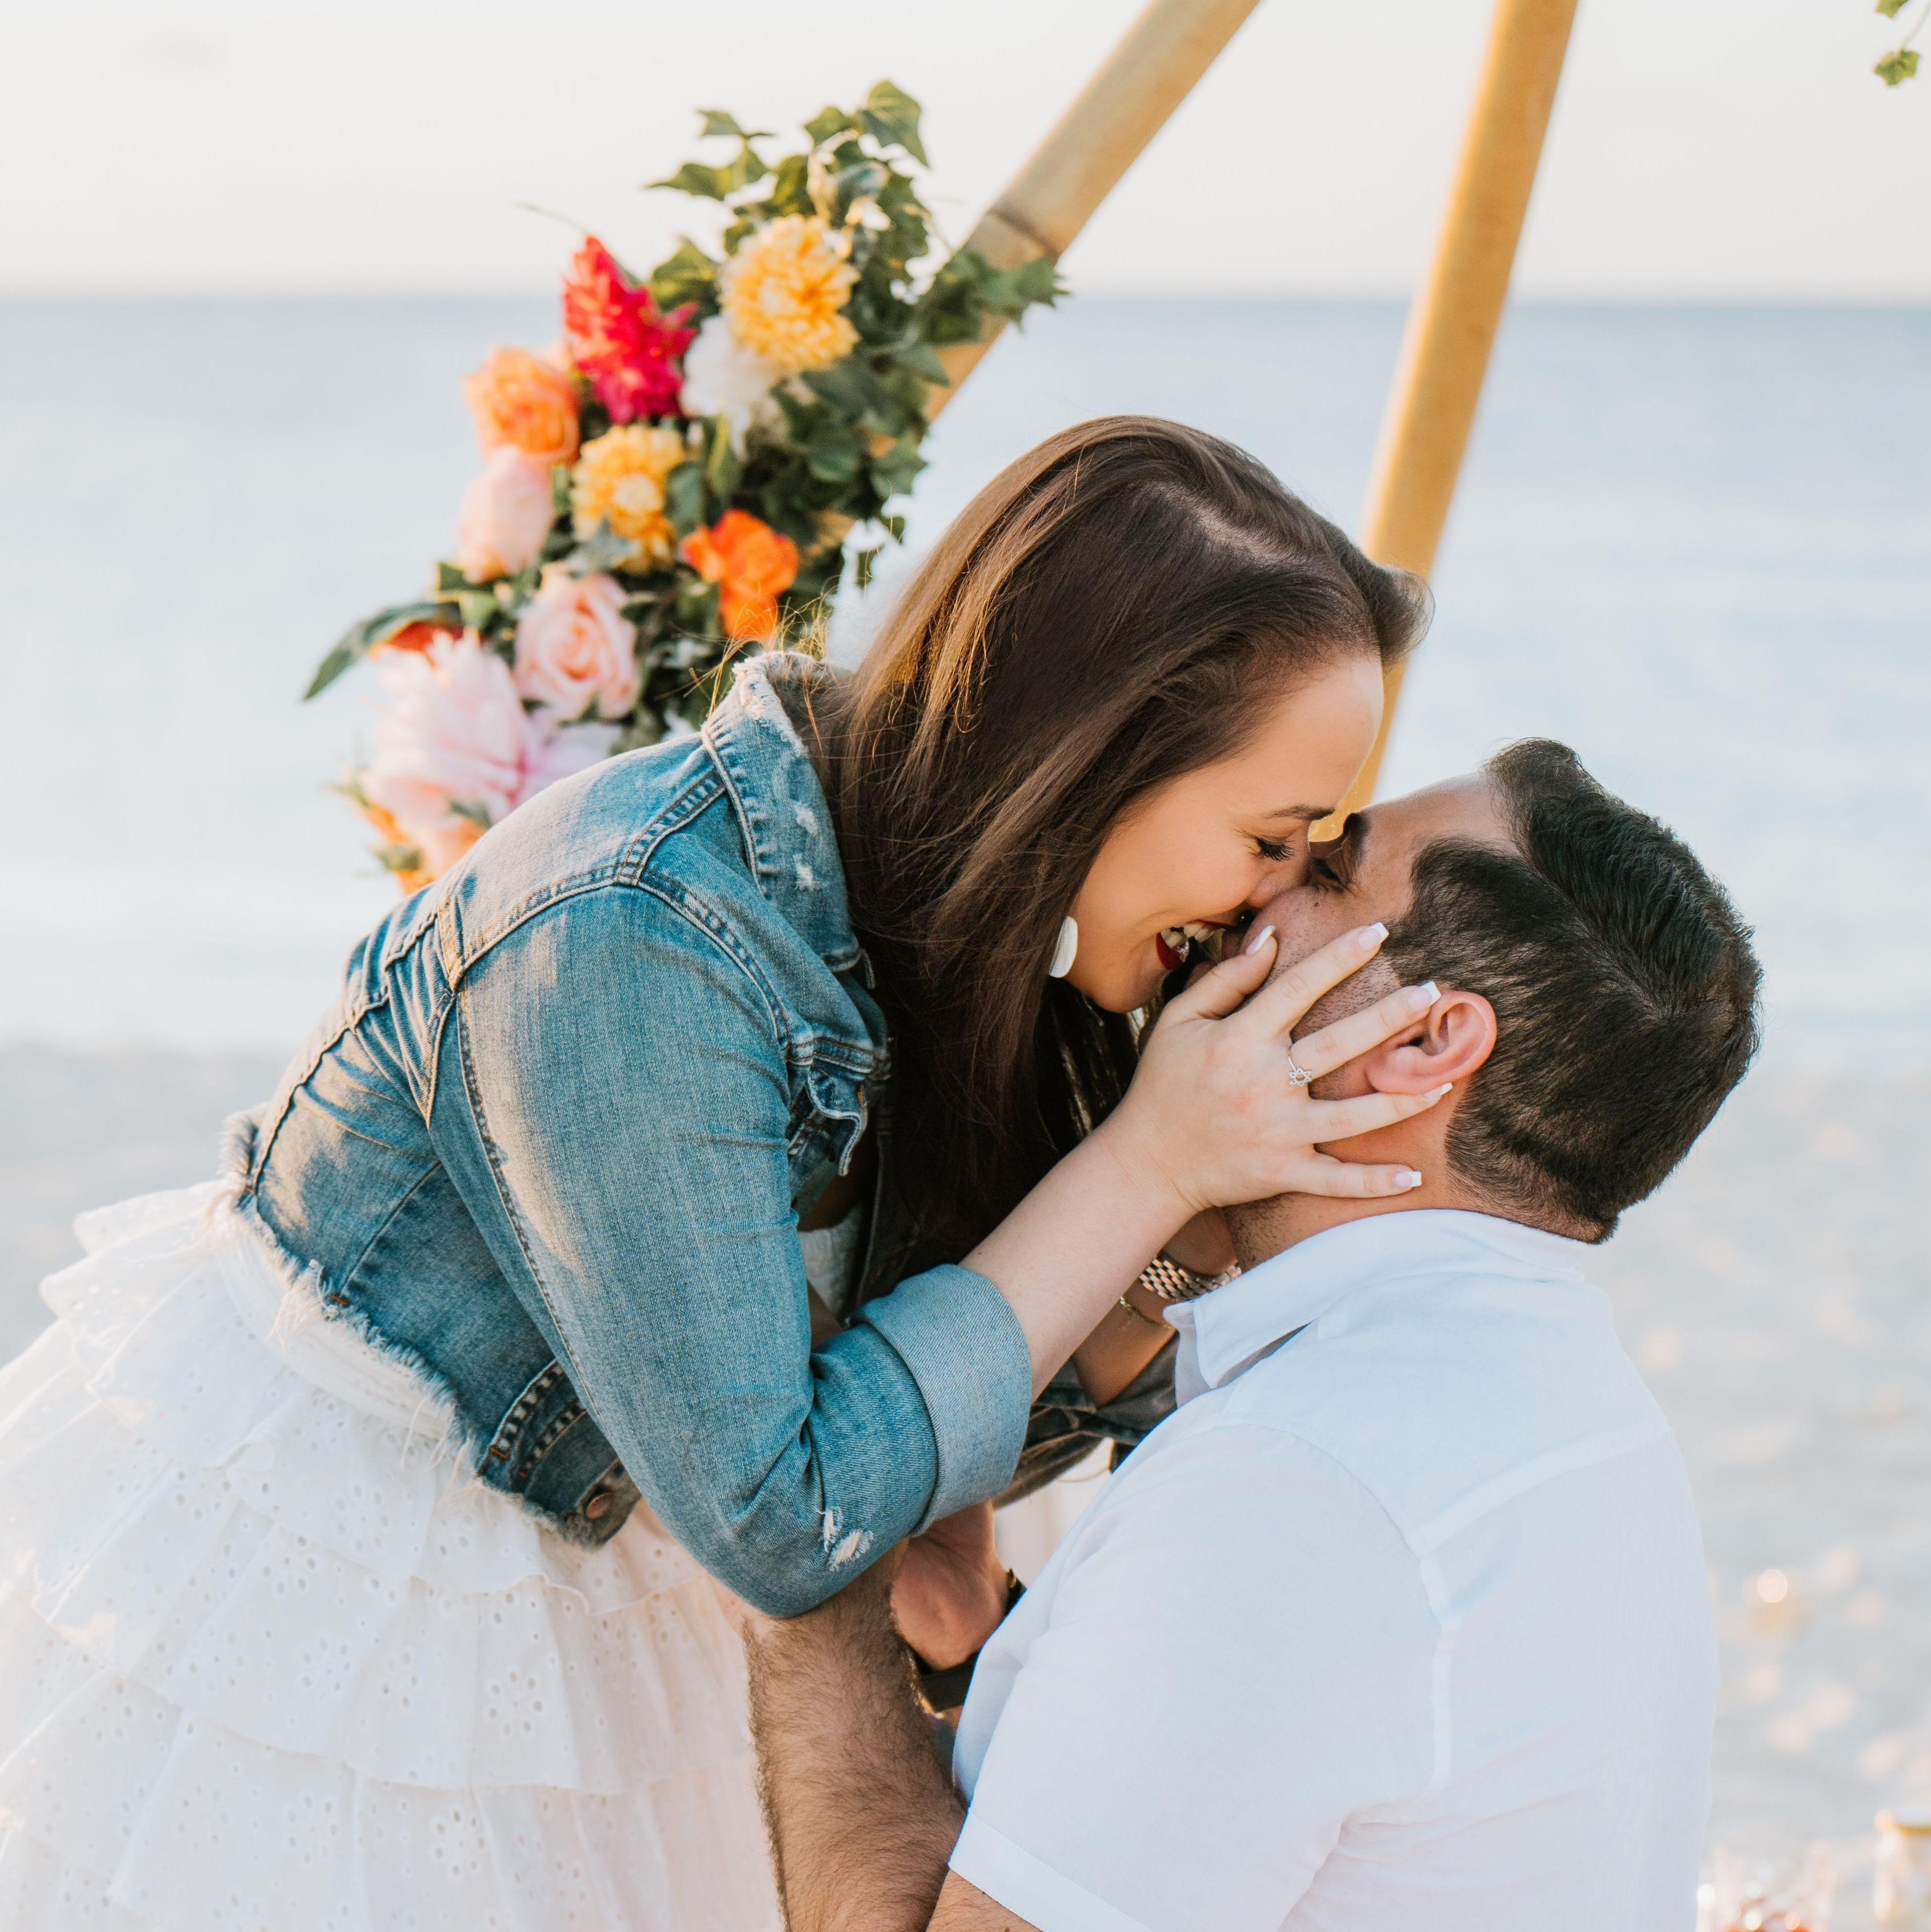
[[352, 1516]]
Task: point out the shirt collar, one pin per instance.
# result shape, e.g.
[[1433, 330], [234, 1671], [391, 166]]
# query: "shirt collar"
[[780, 804], [1224, 1333]]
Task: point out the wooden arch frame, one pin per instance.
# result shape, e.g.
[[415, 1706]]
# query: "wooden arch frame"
[[1452, 325]]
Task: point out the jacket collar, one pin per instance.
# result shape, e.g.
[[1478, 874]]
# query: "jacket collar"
[[781, 808], [1226, 1333]]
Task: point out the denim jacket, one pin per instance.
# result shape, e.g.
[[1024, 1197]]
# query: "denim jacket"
[[551, 1144]]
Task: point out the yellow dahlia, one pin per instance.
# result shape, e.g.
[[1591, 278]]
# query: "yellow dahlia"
[[784, 292], [619, 480]]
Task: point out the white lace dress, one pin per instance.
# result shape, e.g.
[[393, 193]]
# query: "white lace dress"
[[271, 1658]]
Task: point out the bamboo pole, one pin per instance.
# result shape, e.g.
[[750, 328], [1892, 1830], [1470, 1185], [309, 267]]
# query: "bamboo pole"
[[1127, 102], [1451, 326]]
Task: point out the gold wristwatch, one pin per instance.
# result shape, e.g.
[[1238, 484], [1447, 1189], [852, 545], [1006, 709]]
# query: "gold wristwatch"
[[1166, 1278]]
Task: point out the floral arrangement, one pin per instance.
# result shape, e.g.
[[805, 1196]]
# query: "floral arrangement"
[[681, 478]]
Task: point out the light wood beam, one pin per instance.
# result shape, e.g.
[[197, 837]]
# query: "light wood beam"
[[1451, 327], [1127, 102]]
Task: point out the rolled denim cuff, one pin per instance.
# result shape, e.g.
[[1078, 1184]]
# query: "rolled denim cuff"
[[963, 1346]]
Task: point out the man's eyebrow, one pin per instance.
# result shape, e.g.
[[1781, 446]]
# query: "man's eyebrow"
[[1354, 836]]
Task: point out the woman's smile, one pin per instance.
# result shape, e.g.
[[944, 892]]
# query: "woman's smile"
[[1173, 943]]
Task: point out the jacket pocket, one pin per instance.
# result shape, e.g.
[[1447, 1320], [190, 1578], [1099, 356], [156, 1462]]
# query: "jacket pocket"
[[829, 1110]]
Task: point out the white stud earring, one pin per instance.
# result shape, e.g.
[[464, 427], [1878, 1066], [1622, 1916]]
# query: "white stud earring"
[[1064, 952]]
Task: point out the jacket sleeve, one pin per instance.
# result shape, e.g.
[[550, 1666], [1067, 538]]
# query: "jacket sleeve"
[[627, 1115]]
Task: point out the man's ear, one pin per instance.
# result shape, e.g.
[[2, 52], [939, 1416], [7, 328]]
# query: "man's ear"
[[1452, 1041]]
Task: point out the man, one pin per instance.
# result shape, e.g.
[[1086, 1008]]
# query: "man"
[[1401, 1620]]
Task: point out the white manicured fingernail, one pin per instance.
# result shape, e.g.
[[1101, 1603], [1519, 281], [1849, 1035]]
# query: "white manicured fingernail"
[[1407, 1178], [1420, 998], [1259, 939], [1372, 936], [1447, 1087]]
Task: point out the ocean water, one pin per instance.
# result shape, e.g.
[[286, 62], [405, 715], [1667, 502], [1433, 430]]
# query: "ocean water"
[[1693, 542]]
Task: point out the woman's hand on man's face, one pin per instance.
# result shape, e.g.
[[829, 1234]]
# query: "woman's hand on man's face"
[[1213, 1114]]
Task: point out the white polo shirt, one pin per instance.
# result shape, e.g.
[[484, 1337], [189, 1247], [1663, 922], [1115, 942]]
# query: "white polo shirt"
[[1400, 1620]]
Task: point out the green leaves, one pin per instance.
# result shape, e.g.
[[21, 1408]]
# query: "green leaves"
[[689, 275], [893, 472], [722, 469], [1901, 63], [603, 549], [827, 122], [684, 498], [720, 184], [359, 640], [862, 180], [1011, 291], [716, 183], [717, 124], [790, 188], [836, 460], [890, 116]]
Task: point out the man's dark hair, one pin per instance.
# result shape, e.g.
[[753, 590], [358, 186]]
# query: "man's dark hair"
[[1624, 987]]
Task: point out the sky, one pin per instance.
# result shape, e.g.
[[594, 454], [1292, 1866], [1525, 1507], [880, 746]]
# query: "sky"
[[1700, 150]]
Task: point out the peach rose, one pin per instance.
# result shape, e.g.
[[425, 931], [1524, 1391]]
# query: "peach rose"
[[506, 514], [576, 651], [519, 399], [751, 564]]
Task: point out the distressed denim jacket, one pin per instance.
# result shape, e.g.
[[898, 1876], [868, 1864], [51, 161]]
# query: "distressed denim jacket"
[[551, 1144]]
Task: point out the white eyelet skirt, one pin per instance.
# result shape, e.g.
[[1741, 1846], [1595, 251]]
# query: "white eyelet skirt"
[[271, 1658]]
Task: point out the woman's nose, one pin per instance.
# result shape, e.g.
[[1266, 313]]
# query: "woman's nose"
[[1280, 877]]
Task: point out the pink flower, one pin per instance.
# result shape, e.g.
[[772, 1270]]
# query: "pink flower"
[[620, 342], [507, 512], [576, 652], [561, 751], [455, 751]]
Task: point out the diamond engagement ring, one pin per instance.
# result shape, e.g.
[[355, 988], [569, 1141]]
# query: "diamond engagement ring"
[[1297, 1073]]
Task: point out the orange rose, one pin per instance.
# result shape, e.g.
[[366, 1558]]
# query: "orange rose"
[[751, 565], [519, 399], [416, 636], [411, 878]]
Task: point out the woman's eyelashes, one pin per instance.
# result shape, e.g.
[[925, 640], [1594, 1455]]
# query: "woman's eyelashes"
[[1275, 851]]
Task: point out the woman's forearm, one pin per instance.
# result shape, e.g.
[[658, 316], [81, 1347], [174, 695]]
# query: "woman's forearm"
[[1117, 1351], [1062, 1257]]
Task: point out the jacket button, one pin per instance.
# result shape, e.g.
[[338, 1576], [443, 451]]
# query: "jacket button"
[[599, 1504]]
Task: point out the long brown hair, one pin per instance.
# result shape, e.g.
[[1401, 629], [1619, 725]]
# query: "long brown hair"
[[1113, 611]]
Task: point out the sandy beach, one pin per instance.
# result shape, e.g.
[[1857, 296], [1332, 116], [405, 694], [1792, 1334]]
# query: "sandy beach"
[[1772, 1295]]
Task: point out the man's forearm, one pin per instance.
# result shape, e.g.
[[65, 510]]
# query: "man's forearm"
[[862, 1814]]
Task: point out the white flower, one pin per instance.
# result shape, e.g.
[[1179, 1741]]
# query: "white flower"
[[723, 378]]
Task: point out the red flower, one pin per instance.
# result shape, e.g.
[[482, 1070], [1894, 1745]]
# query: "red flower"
[[625, 349]]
